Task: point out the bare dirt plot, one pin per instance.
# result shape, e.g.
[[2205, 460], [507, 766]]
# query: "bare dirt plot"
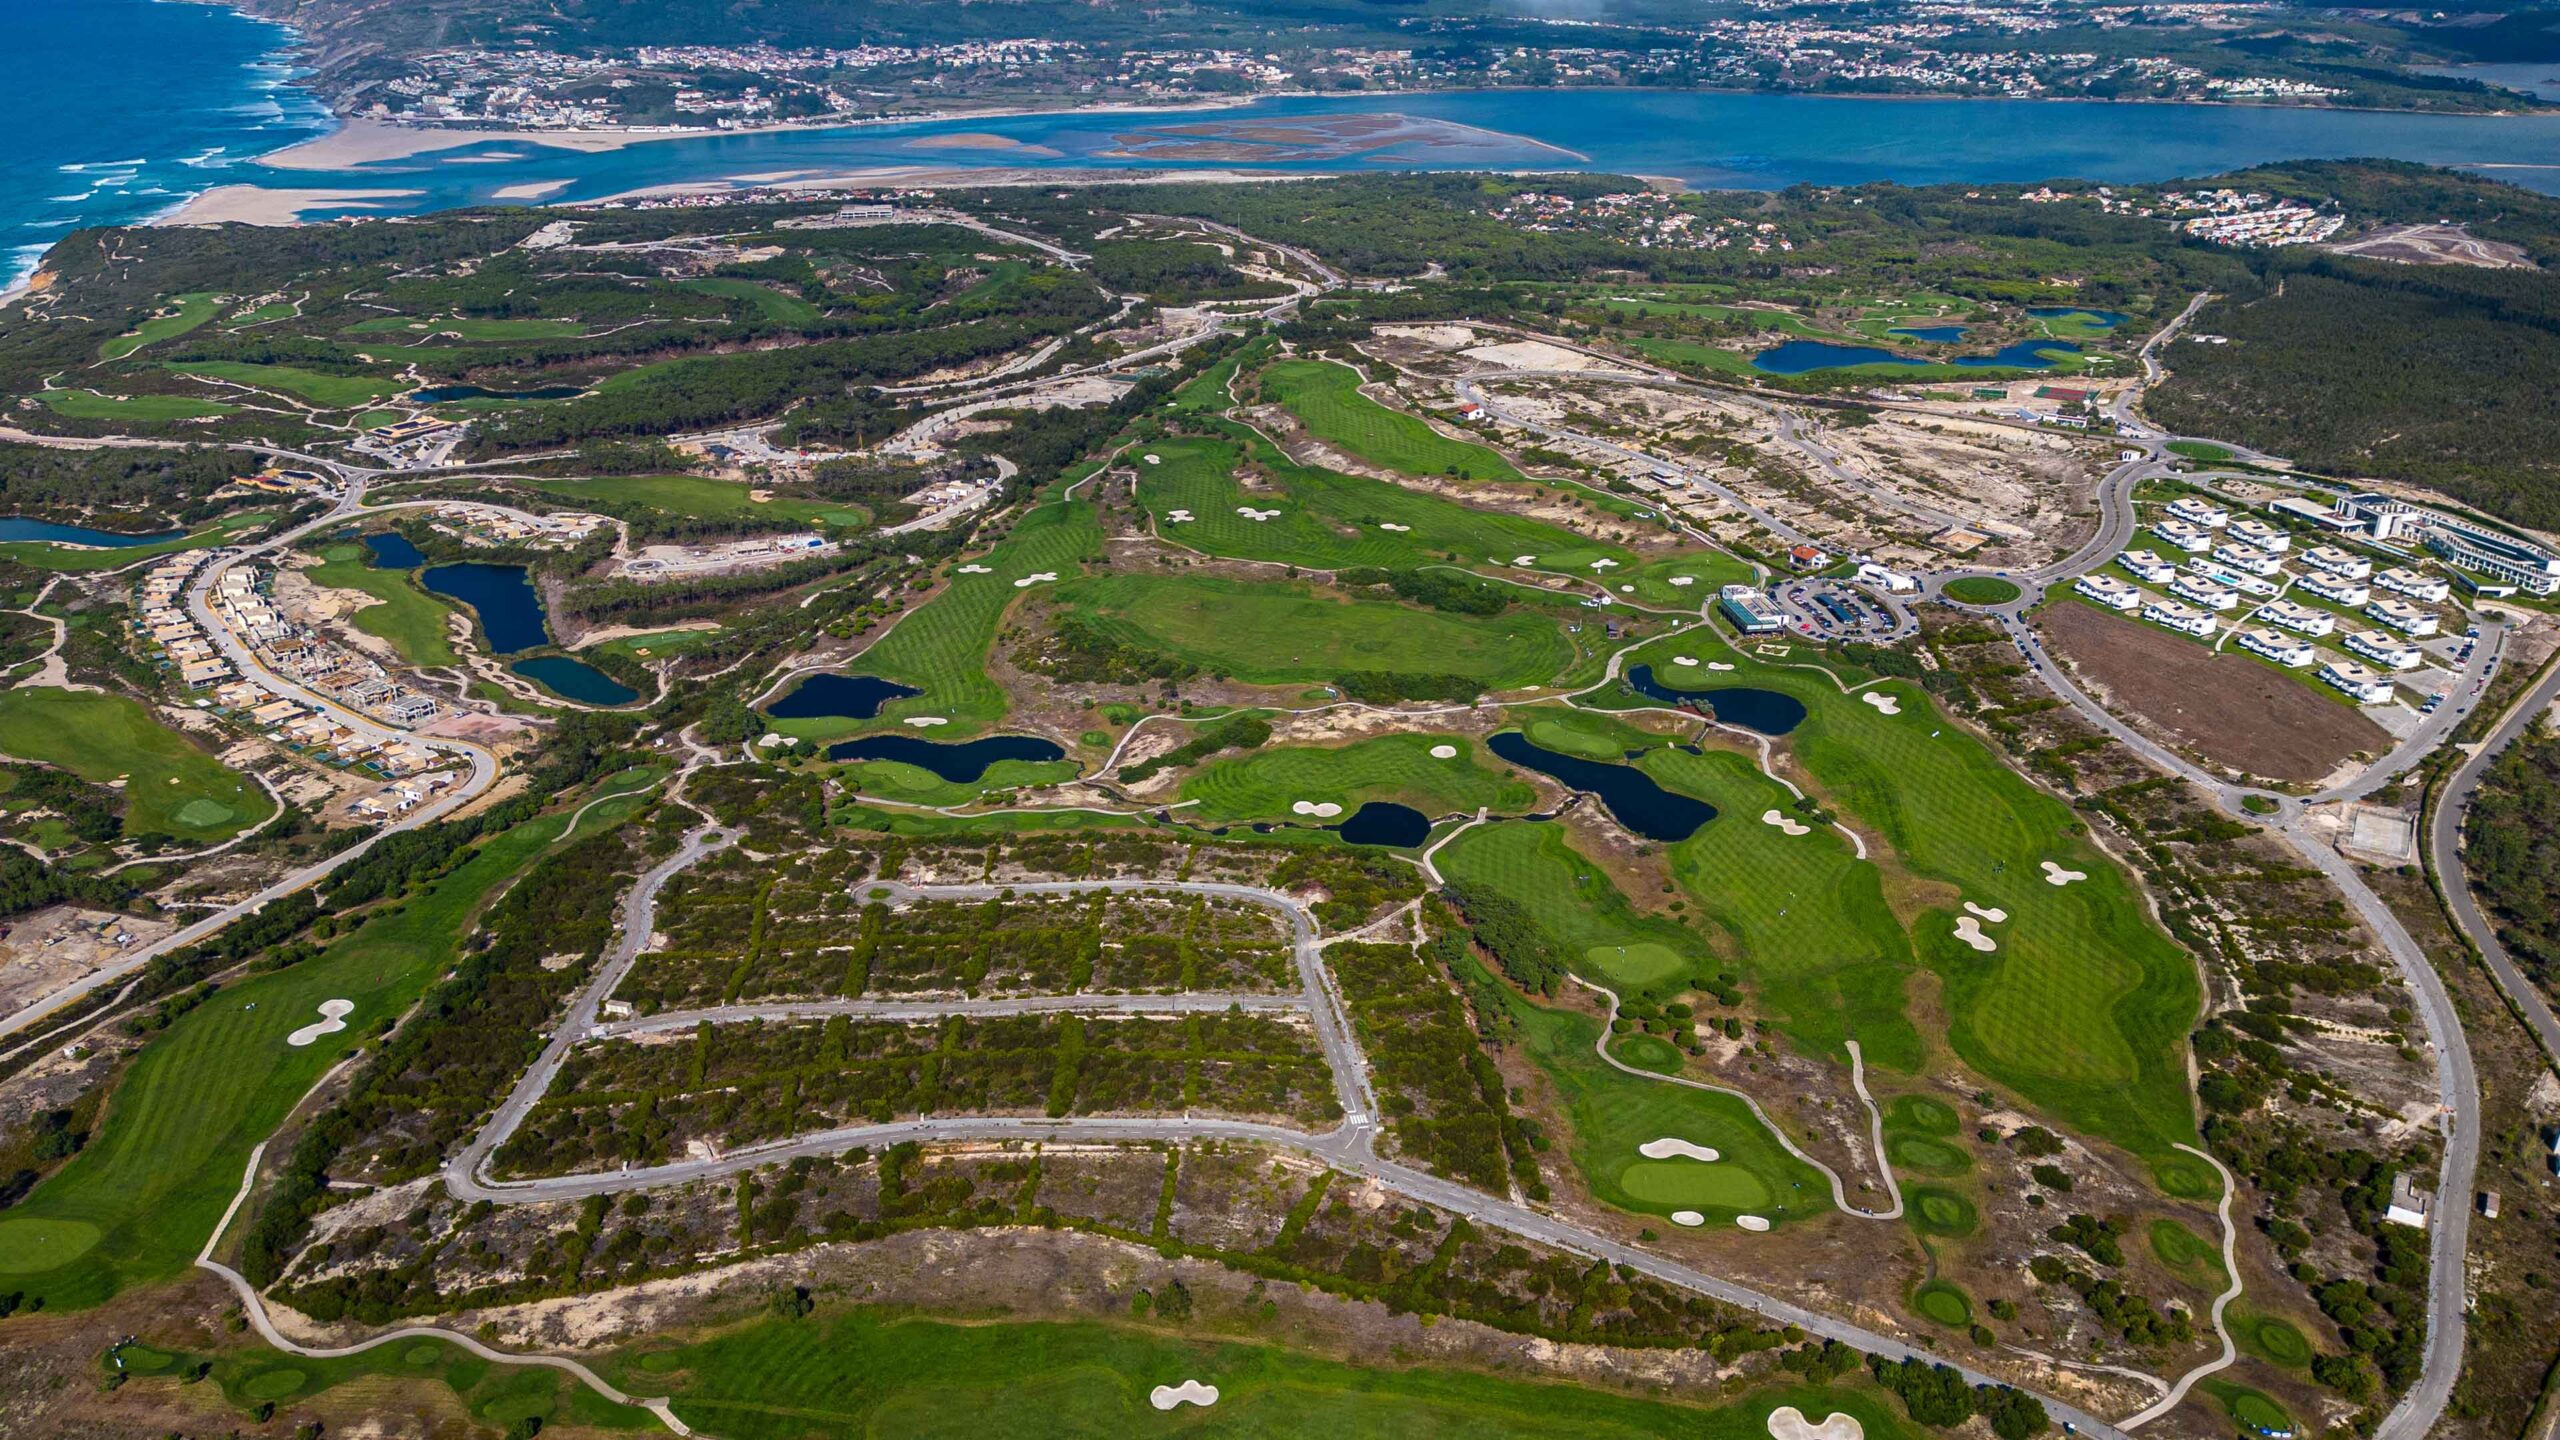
[[59, 944], [2229, 709], [2434, 245]]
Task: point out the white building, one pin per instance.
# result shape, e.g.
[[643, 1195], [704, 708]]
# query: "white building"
[[2251, 531], [2337, 590], [2109, 591], [2248, 559], [2183, 535], [2385, 649], [2277, 646], [2409, 1204], [2221, 574], [2364, 685], [2402, 616], [1892, 582], [2197, 512], [2346, 564], [2434, 589], [2179, 617], [2147, 565], [2204, 592], [2302, 619]]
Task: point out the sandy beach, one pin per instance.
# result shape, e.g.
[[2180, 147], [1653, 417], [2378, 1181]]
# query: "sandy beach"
[[257, 205], [366, 142]]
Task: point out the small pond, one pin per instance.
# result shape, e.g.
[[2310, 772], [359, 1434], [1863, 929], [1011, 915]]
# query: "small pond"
[[1803, 357], [1770, 712], [441, 394], [962, 762], [510, 611], [1382, 822], [392, 551], [1631, 795], [1934, 334], [575, 679], [838, 697], [18, 527]]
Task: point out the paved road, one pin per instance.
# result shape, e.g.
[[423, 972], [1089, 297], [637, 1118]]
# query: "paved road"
[[2444, 856]]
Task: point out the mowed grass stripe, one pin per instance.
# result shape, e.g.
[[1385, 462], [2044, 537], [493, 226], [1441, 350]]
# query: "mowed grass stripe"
[[1400, 768], [1326, 399], [170, 786], [941, 646]]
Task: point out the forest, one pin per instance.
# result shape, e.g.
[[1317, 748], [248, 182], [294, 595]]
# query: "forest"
[[2513, 863]]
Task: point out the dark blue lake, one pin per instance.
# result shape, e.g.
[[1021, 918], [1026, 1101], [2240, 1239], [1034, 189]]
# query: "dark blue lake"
[[439, 394], [838, 697], [1934, 334], [1644, 807], [1803, 357], [961, 762], [392, 551], [2106, 319], [16, 527], [510, 612], [575, 679], [1771, 712], [1382, 822]]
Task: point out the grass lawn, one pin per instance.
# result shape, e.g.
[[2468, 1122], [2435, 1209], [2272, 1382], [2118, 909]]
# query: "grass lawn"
[[1282, 633], [2084, 1006], [2202, 451], [329, 392], [1532, 864], [192, 310], [45, 555], [1329, 521], [657, 645], [705, 498], [941, 646], [497, 1396], [1982, 590], [867, 1373], [915, 785], [780, 307], [1326, 398], [1942, 1303], [171, 787], [1612, 1113], [410, 618], [138, 1202], [137, 409], [469, 327], [2190, 1255], [1262, 784], [1805, 917]]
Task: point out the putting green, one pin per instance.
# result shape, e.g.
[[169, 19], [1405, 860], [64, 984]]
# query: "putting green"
[[203, 814], [1644, 964], [1941, 1212], [2275, 1339], [1929, 1157], [2186, 1178], [1943, 1303], [2254, 1410], [422, 1354], [1648, 1052], [29, 1245], [1694, 1185], [273, 1384], [1924, 1114]]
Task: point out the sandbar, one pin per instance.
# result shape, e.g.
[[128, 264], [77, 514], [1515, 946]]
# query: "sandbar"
[[258, 205]]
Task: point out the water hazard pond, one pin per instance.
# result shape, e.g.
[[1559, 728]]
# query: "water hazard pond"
[[838, 697], [512, 617], [962, 762], [1803, 357], [1641, 805], [20, 528], [1769, 712]]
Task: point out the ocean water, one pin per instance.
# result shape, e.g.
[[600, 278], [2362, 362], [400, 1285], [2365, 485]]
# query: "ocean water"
[[117, 110]]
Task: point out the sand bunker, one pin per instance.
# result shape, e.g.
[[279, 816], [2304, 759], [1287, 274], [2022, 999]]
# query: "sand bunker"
[[1604, 564], [1152, 459], [1885, 704], [1687, 1217], [1444, 752], [1684, 581], [1192, 1392], [1718, 665], [2056, 875], [1035, 579], [1322, 809], [1176, 517], [1256, 516], [921, 721], [1753, 1223], [1524, 559], [1969, 930], [1779, 819], [333, 1018], [975, 570], [1684, 659], [1668, 1146], [1391, 525], [1992, 913], [1788, 1423]]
